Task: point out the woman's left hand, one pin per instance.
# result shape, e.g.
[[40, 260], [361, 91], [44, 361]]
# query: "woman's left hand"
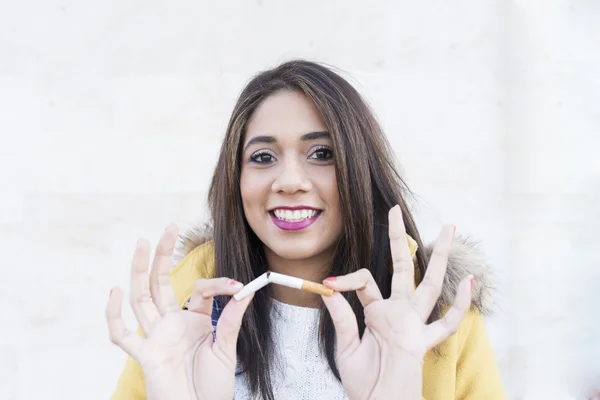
[[387, 362]]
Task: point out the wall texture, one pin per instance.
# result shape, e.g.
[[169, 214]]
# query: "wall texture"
[[112, 113]]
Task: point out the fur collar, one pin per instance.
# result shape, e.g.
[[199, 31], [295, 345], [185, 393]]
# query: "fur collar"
[[465, 258]]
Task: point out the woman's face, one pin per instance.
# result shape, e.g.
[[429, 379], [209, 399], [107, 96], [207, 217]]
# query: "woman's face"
[[288, 184]]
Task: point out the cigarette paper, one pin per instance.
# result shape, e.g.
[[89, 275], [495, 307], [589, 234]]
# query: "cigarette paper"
[[252, 287], [285, 280]]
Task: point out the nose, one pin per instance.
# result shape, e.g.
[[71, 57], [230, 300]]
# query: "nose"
[[291, 179]]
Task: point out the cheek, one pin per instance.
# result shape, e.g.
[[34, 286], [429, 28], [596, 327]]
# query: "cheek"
[[329, 189], [246, 191], [326, 184], [254, 189], [333, 201]]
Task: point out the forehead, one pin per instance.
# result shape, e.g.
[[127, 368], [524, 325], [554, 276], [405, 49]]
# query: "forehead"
[[284, 114]]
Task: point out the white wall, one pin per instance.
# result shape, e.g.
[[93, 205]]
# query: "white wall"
[[111, 116]]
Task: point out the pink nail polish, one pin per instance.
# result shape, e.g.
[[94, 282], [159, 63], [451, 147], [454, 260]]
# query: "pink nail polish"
[[234, 283], [471, 279], [110, 294], [331, 279]]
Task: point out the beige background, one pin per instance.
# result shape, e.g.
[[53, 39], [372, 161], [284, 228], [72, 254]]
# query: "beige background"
[[112, 113]]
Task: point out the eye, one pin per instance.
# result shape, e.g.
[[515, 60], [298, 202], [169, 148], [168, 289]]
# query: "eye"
[[322, 153], [262, 157]]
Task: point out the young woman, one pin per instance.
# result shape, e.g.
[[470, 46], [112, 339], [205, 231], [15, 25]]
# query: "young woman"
[[306, 185]]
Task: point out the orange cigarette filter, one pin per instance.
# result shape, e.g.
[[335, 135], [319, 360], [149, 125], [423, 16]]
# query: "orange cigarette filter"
[[317, 288]]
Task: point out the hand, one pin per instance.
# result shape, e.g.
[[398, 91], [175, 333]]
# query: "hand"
[[388, 360], [178, 356]]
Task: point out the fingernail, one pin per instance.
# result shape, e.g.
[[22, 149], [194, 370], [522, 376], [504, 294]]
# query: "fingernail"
[[235, 284], [330, 279], [471, 279], [110, 293]]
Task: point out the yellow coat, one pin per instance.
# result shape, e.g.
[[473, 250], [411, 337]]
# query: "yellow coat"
[[467, 369]]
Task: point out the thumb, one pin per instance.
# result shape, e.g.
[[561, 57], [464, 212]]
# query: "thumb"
[[344, 320], [229, 324]]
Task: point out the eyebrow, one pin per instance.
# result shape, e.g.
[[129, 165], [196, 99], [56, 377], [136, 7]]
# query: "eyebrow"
[[270, 139]]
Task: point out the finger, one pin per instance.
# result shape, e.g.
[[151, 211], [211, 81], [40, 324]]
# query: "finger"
[[144, 309], [430, 288], [129, 341], [344, 321], [404, 269], [204, 290], [228, 328], [362, 281], [441, 329], [160, 277]]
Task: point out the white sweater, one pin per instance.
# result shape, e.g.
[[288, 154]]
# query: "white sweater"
[[300, 371]]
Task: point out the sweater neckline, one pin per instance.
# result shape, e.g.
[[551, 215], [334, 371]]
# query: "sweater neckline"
[[292, 313]]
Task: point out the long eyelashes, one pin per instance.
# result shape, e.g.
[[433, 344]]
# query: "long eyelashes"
[[262, 157], [322, 153]]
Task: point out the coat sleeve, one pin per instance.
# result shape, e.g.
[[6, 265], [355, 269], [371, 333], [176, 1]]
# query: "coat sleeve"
[[477, 373], [130, 385], [197, 264]]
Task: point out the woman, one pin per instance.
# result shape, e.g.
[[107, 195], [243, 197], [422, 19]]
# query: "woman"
[[305, 185]]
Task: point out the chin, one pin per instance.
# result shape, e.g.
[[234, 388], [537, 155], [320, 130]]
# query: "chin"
[[293, 252], [296, 249]]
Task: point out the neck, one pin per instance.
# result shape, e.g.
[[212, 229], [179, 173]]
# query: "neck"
[[312, 269]]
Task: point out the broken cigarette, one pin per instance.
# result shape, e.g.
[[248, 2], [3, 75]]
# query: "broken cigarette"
[[298, 283], [253, 286], [285, 280]]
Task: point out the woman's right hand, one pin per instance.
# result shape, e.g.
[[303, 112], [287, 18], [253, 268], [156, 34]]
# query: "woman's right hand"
[[178, 356]]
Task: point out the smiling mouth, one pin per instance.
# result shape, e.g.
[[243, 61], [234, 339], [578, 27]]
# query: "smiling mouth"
[[295, 220]]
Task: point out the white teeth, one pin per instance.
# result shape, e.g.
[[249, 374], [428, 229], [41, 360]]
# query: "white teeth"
[[294, 216]]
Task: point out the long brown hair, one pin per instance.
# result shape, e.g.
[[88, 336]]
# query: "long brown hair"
[[368, 183]]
